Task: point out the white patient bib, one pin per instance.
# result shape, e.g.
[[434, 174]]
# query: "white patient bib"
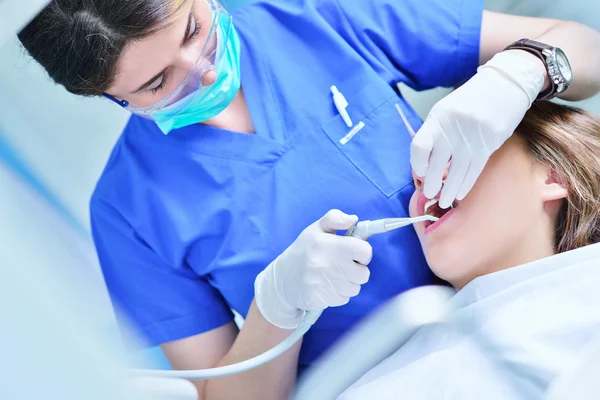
[[514, 331]]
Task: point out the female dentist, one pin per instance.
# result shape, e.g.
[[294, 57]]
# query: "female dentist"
[[236, 145]]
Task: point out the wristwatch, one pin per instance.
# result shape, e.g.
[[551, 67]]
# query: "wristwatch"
[[556, 62]]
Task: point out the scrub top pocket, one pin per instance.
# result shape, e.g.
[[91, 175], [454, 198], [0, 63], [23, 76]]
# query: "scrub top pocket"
[[378, 144]]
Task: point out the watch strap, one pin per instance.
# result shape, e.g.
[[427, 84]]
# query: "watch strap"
[[536, 48]]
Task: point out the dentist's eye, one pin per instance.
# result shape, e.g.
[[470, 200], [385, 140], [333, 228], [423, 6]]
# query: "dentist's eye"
[[196, 31], [162, 84], [197, 27]]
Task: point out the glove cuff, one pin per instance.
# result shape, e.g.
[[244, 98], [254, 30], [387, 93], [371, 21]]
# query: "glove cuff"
[[271, 305], [523, 70]]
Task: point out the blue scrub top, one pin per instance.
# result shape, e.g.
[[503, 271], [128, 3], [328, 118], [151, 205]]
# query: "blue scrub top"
[[184, 223]]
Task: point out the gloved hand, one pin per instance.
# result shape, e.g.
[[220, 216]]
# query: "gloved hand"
[[319, 270], [472, 122]]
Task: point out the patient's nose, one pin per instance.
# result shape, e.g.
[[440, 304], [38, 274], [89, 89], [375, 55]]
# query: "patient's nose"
[[419, 180]]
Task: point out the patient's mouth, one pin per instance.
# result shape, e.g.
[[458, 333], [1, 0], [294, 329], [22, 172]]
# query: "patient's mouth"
[[432, 207]]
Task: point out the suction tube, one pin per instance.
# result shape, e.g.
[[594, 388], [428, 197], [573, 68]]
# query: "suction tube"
[[201, 374]]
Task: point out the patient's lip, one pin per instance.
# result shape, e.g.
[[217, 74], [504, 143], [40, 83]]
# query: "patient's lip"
[[421, 204], [431, 226]]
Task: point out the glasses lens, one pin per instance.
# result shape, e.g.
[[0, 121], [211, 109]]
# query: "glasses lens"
[[193, 81]]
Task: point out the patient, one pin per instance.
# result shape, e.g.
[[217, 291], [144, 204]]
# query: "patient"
[[524, 312]]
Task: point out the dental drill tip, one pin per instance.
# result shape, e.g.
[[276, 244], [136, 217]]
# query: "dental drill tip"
[[421, 218], [393, 224]]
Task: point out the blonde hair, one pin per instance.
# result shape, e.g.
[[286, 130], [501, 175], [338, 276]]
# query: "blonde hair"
[[568, 140]]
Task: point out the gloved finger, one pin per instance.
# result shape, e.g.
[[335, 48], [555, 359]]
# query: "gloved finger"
[[323, 297], [358, 250], [475, 169], [327, 279], [337, 300], [437, 167], [350, 271], [456, 175], [421, 148], [320, 299], [356, 273], [335, 220], [347, 289]]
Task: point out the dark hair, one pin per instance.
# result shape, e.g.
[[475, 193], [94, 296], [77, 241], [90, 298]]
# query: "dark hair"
[[568, 139], [79, 42]]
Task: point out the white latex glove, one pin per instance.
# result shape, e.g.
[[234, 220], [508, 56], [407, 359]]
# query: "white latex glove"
[[319, 270], [472, 122]]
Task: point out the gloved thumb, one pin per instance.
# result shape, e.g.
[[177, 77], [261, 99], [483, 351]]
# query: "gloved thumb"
[[421, 148], [335, 220]]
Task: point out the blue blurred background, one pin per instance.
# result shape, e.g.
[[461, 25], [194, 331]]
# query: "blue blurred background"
[[53, 147]]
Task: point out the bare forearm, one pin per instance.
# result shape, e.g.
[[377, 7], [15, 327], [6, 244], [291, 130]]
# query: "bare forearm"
[[581, 44], [274, 380]]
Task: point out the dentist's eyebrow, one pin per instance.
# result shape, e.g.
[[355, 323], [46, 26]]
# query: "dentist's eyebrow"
[[186, 34]]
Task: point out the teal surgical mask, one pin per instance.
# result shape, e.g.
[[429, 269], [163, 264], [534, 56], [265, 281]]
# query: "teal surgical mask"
[[209, 101]]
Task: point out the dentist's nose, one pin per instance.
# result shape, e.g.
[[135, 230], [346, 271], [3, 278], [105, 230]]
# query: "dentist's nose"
[[188, 61], [209, 78]]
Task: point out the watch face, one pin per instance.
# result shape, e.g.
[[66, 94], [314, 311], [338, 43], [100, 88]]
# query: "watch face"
[[564, 66]]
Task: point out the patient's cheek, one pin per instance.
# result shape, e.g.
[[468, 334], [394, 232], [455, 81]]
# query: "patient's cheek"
[[412, 206]]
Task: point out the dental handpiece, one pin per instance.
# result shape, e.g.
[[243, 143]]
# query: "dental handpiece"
[[365, 229]]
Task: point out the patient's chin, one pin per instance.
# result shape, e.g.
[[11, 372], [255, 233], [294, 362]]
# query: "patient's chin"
[[447, 264], [442, 271]]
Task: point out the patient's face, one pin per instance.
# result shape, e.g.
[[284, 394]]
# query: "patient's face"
[[496, 219]]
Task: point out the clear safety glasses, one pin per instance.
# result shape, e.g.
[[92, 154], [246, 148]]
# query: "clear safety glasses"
[[210, 54]]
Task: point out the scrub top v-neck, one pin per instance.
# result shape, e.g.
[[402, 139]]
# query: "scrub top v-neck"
[[183, 223]]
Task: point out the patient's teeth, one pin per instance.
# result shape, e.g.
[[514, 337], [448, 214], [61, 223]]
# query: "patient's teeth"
[[430, 203]]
